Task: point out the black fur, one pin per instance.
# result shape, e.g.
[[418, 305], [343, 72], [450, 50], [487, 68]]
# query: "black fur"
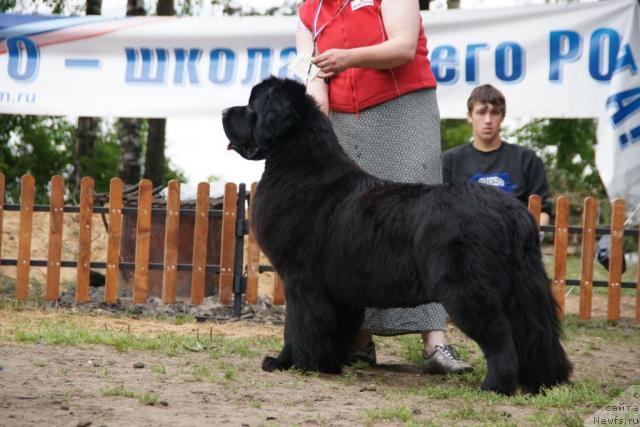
[[343, 240]]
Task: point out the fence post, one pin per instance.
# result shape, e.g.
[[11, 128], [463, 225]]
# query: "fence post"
[[200, 234], [113, 241], [1, 209], [638, 283], [172, 225], [228, 242], [615, 261], [561, 241], [84, 239], [143, 242], [27, 195], [238, 262], [278, 290], [253, 257], [535, 207], [588, 254], [56, 206]]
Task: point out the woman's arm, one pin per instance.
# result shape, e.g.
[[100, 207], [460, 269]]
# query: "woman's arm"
[[401, 19], [316, 87]]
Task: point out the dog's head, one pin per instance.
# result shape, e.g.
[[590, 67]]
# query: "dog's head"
[[275, 108]]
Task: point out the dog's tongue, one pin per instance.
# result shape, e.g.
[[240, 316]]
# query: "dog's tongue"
[[229, 147]]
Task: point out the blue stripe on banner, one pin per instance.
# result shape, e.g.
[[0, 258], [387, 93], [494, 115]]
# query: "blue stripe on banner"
[[81, 63], [12, 19], [51, 23]]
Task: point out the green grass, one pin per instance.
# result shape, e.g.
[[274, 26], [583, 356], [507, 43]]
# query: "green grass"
[[398, 413], [608, 331], [39, 363], [69, 332], [568, 418], [478, 414], [159, 369], [182, 319], [146, 398]]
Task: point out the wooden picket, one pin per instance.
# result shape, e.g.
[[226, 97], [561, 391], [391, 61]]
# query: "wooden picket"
[[588, 255], [172, 228], [200, 237], [143, 243], [615, 260], [114, 235], [253, 257], [638, 282], [278, 290], [228, 243], [27, 195], [84, 239], [54, 255], [535, 207], [229, 236], [560, 246], [1, 209]]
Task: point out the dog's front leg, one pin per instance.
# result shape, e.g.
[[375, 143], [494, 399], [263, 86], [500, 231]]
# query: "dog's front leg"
[[312, 340]]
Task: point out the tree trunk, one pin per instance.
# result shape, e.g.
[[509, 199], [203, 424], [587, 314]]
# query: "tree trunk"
[[130, 149], [129, 129], [154, 159], [135, 8], [87, 128]]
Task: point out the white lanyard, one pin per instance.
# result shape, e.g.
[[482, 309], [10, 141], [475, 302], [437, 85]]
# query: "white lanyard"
[[316, 31]]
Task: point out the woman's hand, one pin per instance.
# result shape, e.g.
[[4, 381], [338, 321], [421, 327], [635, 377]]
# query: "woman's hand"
[[332, 62]]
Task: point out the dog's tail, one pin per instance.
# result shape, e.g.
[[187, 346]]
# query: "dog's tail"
[[533, 312]]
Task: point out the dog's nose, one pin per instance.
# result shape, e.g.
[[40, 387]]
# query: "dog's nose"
[[225, 112]]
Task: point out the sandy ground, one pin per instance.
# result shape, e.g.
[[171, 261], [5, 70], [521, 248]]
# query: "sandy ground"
[[64, 386]]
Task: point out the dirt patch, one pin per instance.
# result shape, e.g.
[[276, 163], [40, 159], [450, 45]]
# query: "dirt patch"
[[64, 385]]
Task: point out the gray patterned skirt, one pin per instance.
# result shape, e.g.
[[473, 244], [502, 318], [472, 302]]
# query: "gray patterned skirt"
[[400, 141]]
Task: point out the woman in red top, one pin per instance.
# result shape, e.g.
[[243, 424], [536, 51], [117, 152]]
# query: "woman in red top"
[[376, 85]]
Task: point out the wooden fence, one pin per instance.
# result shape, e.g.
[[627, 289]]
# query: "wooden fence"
[[236, 277], [589, 231]]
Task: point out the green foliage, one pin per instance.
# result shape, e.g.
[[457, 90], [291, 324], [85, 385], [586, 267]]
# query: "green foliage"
[[6, 5], [567, 148], [454, 132], [102, 163], [40, 146]]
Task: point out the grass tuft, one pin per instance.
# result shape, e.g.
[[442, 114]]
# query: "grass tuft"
[[146, 398]]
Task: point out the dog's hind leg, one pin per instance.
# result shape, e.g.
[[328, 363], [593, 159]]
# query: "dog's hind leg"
[[485, 324]]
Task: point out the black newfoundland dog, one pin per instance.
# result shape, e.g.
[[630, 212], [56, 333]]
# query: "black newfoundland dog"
[[343, 240]]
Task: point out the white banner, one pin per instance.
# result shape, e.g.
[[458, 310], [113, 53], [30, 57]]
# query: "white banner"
[[550, 60], [568, 60], [618, 149]]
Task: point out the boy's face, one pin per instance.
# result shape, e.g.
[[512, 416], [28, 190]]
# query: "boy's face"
[[485, 122]]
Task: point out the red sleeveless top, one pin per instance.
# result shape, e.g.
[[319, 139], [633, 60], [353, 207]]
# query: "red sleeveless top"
[[359, 24]]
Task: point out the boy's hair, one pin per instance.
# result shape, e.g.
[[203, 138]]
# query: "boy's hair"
[[487, 94]]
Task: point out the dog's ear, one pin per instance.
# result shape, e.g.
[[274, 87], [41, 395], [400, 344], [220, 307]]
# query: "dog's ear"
[[278, 108]]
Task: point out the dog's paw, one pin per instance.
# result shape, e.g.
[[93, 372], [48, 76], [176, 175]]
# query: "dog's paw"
[[270, 364], [503, 389]]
